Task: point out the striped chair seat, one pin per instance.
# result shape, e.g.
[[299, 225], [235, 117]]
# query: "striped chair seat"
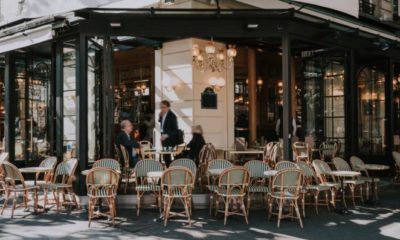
[[54, 186], [354, 181], [148, 188], [101, 193], [177, 192], [285, 195], [233, 193], [38, 182], [258, 189], [20, 187], [365, 179], [320, 187]]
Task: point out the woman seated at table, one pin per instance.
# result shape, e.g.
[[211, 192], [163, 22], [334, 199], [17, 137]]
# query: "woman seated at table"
[[125, 139], [195, 145]]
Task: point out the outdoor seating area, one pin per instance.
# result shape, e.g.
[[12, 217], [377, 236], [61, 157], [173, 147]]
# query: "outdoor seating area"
[[282, 188]]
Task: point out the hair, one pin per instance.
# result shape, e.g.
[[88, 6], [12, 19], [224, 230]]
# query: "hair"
[[124, 123], [197, 129], [166, 103]]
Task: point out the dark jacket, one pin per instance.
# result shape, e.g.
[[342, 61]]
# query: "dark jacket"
[[128, 142], [170, 127], [195, 145]]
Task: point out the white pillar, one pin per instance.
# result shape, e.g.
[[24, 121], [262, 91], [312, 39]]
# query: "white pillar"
[[181, 83]]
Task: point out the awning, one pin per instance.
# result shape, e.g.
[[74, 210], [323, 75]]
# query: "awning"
[[324, 15], [26, 38]]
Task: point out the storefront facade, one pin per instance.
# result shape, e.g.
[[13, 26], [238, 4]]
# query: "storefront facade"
[[321, 78]]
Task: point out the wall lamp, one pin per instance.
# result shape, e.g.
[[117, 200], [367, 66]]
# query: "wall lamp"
[[217, 83]]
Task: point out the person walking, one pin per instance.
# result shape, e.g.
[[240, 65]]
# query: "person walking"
[[169, 129]]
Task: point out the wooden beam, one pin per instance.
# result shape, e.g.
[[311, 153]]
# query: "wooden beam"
[[252, 88]]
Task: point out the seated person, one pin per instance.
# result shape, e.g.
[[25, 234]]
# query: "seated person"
[[196, 144], [131, 145]]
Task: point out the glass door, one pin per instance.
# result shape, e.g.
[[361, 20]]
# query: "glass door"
[[371, 111], [32, 102]]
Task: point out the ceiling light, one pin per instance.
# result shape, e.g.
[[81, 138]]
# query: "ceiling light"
[[252, 25], [115, 24]]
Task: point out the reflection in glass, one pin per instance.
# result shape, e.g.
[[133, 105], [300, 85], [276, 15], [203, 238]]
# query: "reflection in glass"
[[69, 99], [320, 100], [32, 129], [371, 86]]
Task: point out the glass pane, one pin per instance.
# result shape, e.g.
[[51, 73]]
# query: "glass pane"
[[396, 107], [371, 84], [94, 88], [69, 99]]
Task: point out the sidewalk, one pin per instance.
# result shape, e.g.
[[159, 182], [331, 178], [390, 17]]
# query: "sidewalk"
[[382, 222]]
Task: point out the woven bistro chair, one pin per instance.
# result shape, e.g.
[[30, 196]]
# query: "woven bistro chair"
[[177, 183], [302, 152], [211, 184], [258, 184], [102, 183], [354, 183], [328, 150], [14, 183], [232, 187], [286, 187], [358, 165], [127, 173], [396, 157], [323, 171], [145, 184], [282, 165], [185, 162], [207, 153], [62, 183], [145, 146], [312, 185], [107, 163], [179, 149]]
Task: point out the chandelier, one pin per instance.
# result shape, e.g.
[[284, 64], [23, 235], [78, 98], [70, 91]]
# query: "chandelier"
[[212, 58]]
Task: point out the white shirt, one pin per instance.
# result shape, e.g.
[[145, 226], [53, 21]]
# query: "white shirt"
[[163, 120]]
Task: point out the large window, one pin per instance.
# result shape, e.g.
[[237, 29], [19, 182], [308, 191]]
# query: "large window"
[[33, 96], [371, 111], [69, 99], [320, 105], [396, 107]]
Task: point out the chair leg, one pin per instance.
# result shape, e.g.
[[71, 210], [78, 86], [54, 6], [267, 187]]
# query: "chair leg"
[[216, 204], [248, 204], [360, 188], [186, 203], [7, 195], [298, 213], [14, 203], [170, 201], [138, 203], [280, 212], [333, 194], [367, 190], [211, 202], [353, 194], [245, 213], [270, 209], [126, 185], [327, 200], [35, 200], [45, 201], [316, 196], [303, 203], [90, 211], [227, 201], [26, 199], [57, 198]]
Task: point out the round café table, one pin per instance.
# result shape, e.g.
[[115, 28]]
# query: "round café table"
[[35, 170], [372, 168], [342, 175]]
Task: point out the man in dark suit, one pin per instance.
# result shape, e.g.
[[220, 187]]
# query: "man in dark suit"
[[131, 145], [169, 129]]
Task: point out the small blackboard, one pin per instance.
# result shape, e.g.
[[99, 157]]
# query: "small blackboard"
[[208, 99]]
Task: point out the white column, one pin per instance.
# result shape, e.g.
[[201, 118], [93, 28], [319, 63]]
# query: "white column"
[[181, 83]]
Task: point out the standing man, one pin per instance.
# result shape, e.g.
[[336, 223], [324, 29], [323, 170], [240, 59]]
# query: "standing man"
[[169, 129], [131, 145]]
